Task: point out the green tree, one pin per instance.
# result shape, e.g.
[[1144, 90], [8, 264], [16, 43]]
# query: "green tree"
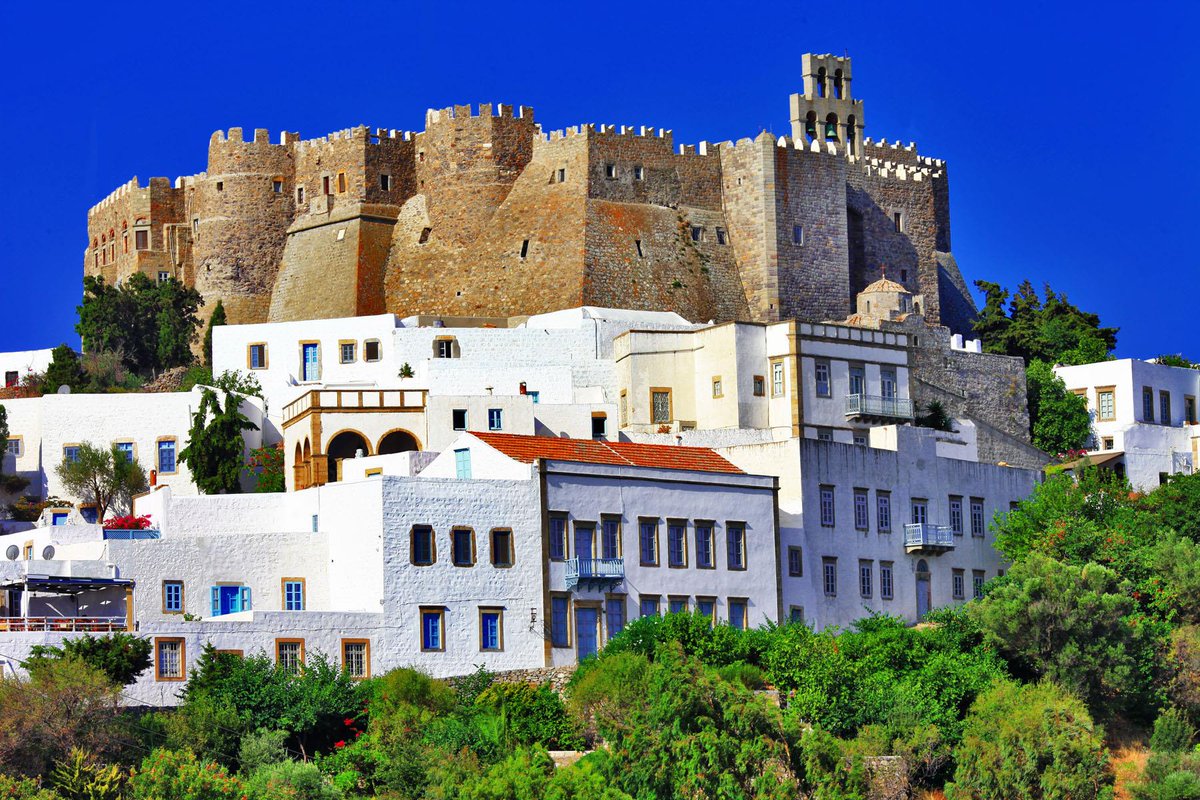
[[1074, 625], [1058, 419], [179, 774], [104, 478], [1177, 360], [217, 319], [1049, 329], [120, 656], [215, 447], [64, 370], [1032, 742], [82, 776], [266, 465], [153, 325]]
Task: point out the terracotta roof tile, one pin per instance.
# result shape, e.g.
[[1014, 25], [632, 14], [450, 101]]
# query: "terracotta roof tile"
[[529, 448]]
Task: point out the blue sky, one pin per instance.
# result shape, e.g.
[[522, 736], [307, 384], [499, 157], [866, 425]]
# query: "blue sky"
[[1067, 127]]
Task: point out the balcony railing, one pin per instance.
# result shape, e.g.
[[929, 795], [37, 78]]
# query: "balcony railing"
[[599, 570], [63, 624], [332, 400], [869, 405], [927, 537]]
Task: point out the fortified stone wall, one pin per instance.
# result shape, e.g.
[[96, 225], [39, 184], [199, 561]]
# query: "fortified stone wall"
[[483, 213]]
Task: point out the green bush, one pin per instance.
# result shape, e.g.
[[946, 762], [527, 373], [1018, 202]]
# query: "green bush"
[[120, 656], [1030, 741], [292, 780], [24, 789], [179, 775], [747, 675], [1172, 732], [715, 645], [81, 776], [1169, 776], [531, 715], [262, 748]]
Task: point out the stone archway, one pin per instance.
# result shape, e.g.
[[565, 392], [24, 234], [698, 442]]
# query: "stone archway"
[[344, 444], [397, 441]]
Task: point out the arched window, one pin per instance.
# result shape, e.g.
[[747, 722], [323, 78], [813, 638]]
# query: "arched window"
[[343, 445], [922, 566], [837, 84], [851, 134], [810, 126], [821, 82], [831, 128], [397, 441]]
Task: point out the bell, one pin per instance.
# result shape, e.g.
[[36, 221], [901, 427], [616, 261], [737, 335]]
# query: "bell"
[[830, 130]]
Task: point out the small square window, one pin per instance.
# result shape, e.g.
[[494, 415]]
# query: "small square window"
[[424, 237], [348, 352], [293, 594], [599, 426], [71, 453], [648, 605], [697, 233], [722, 237], [256, 356], [610, 170], [220, 186], [458, 419], [163, 276], [677, 604], [639, 173], [371, 350], [277, 186], [445, 348], [760, 386], [495, 419], [141, 239], [126, 451]]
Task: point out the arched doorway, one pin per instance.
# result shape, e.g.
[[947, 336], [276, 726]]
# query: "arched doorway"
[[397, 441], [344, 445], [924, 593]]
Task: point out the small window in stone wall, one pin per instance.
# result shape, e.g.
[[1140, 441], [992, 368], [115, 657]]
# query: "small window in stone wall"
[[610, 171], [385, 182], [299, 194], [562, 175], [722, 237], [697, 233], [220, 186], [325, 185], [341, 183], [639, 174], [898, 219], [524, 248], [277, 186], [141, 239], [424, 237], [797, 234], [638, 244]]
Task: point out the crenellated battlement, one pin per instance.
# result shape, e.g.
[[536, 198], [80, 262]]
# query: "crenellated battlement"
[[434, 116], [600, 129], [117, 194], [262, 137]]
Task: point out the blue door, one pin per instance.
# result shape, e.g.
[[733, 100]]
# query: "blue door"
[[230, 599], [586, 632], [585, 544], [311, 365]]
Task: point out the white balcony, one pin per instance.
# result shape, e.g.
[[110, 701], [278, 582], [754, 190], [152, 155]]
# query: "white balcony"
[[924, 537], [875, 407]]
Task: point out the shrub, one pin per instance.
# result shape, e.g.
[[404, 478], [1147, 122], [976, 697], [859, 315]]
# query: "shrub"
[[81, 776], [1031, 741], [24, 789], [120, 656], [261, 749], [531, 715], [181, 776], [1172, 732], [523, 775], [747, 675], [291, 780]]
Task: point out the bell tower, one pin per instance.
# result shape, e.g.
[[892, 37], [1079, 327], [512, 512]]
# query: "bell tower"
[[827, 110]]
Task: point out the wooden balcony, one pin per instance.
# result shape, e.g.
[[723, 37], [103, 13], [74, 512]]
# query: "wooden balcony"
[[62, 624], [354, 401]]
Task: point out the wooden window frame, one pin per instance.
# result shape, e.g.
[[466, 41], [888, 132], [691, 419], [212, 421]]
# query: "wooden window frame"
[[683, 524], [1099, 391], [283, 582], [343, 185], [182, 596], [972, 502], [499, 611], [670, 405], [453, 555], [799, 551], [440, 611], [832, 520], [158, 459], [279, 640], [551, 518], [778, 362], [758, 385], [705, 598], [158, 676], [718, 387], [378, 357], [20, 441], [412, 542], [366, 658], [512, 556], [342, 343], [673, 599], [1189, 409], [828, 378], [657, 550], [745, 601], [125, 440], [697, 525], [657, 598], [620, 534], [569, 641], [887, 589], [249, 358], [730, 526]]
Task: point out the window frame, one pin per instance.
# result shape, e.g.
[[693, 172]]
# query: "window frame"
[[611, 601], [795, 561], [1147, 404], [465, 419], [283, 593], [653, 523], [829, 576], [566, 639], [166, 609], [342, 345], [250, 355], [509, 554], [290, 640], [158, 444], [366, 657], [759, 385], [378, 350], [862, 522], [958, 584], [1111, 391], [670, 405], [158, 642], [978, 579], [698, 527], [412, 545], [495, 419], [551, 519], [605, 521], [498, 611], [735, 531], [436, 612], [866, 575], [643, 599], [778, 378], [978, 521], [887, 580], [956, 515], [454, 538], [827, 505], [818, 368], [677, 533]]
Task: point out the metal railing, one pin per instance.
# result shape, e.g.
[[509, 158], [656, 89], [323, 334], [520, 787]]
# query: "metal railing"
[[921, 535], [355, 400], [122, 534], [64, 624], [594, 569], [869, 405]]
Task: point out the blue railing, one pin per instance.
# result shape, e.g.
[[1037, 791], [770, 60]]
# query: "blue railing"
[[594, 569], [147, 533], [924, 535], [869, 405]]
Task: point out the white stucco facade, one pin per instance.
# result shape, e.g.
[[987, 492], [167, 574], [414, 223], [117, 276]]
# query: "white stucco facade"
[[1143, 414]]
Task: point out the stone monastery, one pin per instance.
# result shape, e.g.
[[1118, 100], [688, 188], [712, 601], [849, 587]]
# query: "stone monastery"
[[485, 214], [530, 386]]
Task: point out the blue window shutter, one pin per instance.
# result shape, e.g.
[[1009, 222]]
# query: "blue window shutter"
[[216, 601], [245, 598]]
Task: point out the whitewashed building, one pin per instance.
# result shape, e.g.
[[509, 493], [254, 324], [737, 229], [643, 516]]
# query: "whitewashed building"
[[1144, 417]]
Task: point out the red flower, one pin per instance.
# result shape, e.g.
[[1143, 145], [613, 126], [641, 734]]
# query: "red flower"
[[339, 744], [348, 722]]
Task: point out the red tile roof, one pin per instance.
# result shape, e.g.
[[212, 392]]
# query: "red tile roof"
[[589, 451]]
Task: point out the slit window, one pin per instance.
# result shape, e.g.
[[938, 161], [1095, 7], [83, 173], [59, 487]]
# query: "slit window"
[[898, 219], [562, 175], [797, 234], [341, 183], [385, 182], [639, 173], [524, 248], [299, 195], [638, 243]]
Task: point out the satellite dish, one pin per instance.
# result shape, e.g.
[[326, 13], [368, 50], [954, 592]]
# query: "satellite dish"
[[12, 552], [64, 389], [48, 553]]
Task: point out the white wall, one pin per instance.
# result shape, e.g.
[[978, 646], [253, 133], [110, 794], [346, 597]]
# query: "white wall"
[[24, 362]]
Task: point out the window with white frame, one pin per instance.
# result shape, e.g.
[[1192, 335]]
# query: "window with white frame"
[[956, 514], [462, 464], [865, 570], [885, 580], [827, 507], [862, 519], [978, 525], [777, 379], [829, 576], [821, 371], [495, 419]]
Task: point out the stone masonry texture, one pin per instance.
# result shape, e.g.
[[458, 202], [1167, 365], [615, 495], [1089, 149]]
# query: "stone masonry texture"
[[484, 213]]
